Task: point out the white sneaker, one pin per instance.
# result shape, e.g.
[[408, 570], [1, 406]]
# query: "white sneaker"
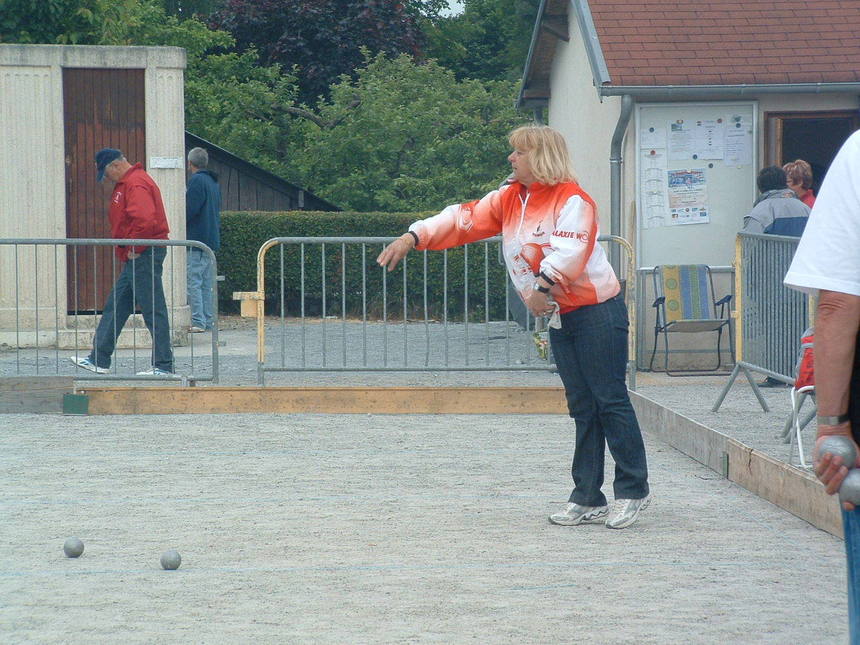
[[575, 514], [626, 511], [87, 364], [155, 371], [194, 329]]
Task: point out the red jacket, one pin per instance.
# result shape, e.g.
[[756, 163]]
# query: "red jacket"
[[550, 228], [136, 210]]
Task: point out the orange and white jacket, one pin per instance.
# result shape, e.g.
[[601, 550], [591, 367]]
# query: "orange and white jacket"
[[553, 229]]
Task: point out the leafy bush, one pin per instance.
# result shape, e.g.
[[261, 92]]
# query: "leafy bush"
[[353, 284]]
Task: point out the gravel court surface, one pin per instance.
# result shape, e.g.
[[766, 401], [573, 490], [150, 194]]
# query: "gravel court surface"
[[383, 529]]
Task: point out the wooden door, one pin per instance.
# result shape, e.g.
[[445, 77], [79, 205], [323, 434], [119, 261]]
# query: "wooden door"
[[103, 108]]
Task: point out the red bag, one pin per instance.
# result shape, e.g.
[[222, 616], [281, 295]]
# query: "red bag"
[[805, 367]]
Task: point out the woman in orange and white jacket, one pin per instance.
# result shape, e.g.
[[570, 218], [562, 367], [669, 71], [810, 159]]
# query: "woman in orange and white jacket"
[[549, 228]]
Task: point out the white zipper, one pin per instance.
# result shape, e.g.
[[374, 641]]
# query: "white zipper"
[[522, 216]]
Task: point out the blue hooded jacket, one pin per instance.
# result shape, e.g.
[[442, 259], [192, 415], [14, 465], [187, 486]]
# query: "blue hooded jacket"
[[203, 209], [777, 212]]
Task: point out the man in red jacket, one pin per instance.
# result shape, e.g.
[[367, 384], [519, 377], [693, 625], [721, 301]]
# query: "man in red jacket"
[[136, 212]]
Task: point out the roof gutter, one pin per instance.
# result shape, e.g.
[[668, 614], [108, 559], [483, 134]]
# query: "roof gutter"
[[664, 91]]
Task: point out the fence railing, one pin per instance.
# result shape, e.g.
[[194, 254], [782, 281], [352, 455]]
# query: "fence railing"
[[52, 292], [771, 318], [438, 311]]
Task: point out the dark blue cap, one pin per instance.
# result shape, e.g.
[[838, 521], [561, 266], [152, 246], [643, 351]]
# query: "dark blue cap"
[[104, 157]]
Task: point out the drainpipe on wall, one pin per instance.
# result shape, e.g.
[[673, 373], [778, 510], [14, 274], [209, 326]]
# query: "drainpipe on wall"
[[615, 159]]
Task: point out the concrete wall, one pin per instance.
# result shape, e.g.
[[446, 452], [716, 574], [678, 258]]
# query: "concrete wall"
[[32, 169]]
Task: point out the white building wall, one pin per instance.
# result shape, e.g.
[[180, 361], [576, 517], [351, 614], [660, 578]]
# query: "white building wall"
[[31, 152], [32, 169], [586, 123]]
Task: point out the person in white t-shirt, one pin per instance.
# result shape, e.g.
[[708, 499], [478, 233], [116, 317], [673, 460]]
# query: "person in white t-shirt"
[[828, 261]]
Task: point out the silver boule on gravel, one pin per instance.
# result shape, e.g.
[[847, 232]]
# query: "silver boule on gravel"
[[73, 547], [839, 446], [850, 489], [171, 560]]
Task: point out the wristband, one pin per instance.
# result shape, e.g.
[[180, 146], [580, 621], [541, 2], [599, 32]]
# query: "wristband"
[[541, 289], [415, 235], [547, 278], [833, 420]]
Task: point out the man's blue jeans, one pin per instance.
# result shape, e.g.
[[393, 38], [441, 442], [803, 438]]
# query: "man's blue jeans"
[[200, 279], [139, 283], [851, 524], [590, 352]]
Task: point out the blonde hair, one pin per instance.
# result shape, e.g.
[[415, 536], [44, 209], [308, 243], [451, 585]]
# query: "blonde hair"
[[800, 172], [548, 156]]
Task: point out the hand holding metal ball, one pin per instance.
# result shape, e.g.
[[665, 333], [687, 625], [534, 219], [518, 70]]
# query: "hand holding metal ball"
[[849, 491], [841, 446]]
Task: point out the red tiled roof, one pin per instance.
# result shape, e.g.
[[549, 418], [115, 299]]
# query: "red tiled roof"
[[701, 42]]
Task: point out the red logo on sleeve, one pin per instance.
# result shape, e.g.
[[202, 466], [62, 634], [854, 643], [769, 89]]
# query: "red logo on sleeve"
[[581, 236]]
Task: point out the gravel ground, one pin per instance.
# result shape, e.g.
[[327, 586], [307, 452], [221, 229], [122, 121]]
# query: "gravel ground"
[[394, 529]]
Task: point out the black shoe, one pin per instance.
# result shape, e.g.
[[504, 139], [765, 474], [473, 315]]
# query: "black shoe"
[[772, 382]]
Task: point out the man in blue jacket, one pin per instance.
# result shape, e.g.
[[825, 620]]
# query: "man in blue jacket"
[[202, 223], [777, 211]]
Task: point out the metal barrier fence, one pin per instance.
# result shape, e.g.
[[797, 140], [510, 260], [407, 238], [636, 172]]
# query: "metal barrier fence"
[[49, 305], [439, 311], [771, 317]]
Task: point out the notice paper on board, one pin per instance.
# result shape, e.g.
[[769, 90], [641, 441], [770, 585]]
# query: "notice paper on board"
[[688, 197]]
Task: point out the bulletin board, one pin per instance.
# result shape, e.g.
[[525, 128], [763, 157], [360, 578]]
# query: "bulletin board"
[[695, 172]]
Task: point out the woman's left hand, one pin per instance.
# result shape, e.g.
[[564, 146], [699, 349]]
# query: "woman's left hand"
[[539, 304]]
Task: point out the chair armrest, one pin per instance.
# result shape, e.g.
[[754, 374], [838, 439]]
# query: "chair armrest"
[[659, 301], [723, 301]]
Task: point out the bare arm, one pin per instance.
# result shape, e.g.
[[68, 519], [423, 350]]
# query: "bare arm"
[[836, 328]]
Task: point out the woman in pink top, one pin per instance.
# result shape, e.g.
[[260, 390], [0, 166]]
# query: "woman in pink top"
[[549, 228], [798, 175]]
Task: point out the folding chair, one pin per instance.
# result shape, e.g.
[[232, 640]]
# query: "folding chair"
[[804, 387], [685, 303]]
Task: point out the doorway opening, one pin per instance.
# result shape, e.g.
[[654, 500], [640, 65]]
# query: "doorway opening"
[[814, 137]]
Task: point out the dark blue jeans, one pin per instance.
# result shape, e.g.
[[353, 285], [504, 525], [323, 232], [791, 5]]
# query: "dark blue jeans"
[[851, 523], [590, 352], [139, 283]]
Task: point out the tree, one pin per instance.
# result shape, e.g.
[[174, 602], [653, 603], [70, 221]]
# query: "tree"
[[489, 40], [72, 22], [240, 105], [191, 8], [322, 39], [104, 22], [407, 136]]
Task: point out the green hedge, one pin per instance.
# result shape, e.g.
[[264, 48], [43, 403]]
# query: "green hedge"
[[243, 233]]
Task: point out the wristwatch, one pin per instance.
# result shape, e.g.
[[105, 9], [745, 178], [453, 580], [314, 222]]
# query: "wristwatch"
[[833, 420]]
